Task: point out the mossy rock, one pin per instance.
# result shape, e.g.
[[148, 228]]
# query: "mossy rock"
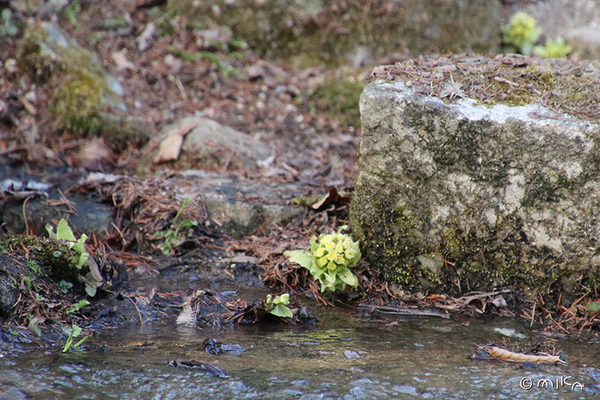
[[85, 98], [455, 196]]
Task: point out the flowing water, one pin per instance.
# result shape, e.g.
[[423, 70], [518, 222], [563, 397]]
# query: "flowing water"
[[344, 356]]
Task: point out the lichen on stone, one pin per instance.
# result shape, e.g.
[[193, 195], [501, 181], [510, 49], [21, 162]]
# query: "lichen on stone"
[[457, 196]]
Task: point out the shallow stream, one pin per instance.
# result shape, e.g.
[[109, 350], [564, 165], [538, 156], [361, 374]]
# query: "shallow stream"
[[344, 356]]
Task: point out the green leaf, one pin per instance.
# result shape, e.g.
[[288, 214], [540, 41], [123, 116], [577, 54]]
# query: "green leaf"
[[78, 306], [593, 307], [313, 244], [64, 232], [186, 223], [81, 341], [284, 299], [64, 286], [282, 311], [301, 257], [90, 289], [348, 277], [185, 203], [73, 332]]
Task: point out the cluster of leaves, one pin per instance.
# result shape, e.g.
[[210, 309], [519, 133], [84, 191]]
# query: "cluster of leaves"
[[521, 34], [278, 305], [64, 233], [329, 260]]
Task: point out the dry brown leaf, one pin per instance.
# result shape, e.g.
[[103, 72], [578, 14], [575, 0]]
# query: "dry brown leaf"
[[121, 60], [170, 147]]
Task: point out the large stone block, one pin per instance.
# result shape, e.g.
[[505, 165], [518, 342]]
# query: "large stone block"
[[458, 192]]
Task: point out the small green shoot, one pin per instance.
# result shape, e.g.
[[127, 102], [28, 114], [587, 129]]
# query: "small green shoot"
[[177, 232], [223, 66], [34, 267], [27, 282], [70, 11], [329, 261], [278, 305], [64, 232], [78, 306], [554, 48], [64, 286], [73, 331]]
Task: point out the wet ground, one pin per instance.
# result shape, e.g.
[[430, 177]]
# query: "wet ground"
[[344, 356]]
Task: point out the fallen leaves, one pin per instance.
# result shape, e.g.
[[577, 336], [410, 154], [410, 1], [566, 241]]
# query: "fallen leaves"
[[170, 147]]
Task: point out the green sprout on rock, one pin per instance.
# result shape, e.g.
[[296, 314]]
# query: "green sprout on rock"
[[93, 279], [521, 33], [329, 260], [64, 232], [278, 305], [554, 48]]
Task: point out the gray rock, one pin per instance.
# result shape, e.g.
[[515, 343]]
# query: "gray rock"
[[203, 142], [465, 197], [210, 135], [243, 207], [86, 216]]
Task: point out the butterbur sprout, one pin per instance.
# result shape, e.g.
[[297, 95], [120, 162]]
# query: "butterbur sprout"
[[329, 260]]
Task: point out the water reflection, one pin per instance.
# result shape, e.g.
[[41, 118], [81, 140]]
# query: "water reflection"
[[343, 357]]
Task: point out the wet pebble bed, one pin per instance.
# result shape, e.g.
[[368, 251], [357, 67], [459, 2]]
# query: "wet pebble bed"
[[349, 359]]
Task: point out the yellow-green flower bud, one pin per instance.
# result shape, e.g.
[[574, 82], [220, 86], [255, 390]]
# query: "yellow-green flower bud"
[[332, 256], [329, 245], [322, 261], [349, 254]]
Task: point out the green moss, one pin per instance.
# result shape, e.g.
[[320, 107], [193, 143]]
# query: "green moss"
[[387, 235], [57, 261], [503, 258], [78, 103]]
